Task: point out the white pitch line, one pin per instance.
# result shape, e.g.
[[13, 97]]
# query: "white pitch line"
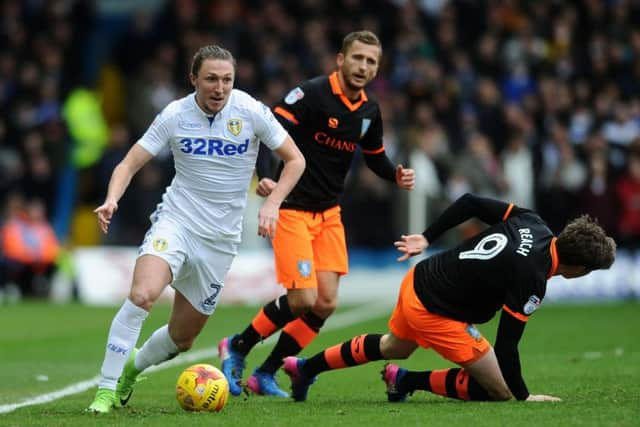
[[351, 317], [592, 355]]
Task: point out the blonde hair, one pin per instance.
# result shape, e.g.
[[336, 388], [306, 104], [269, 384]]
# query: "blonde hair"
[[210, 52]]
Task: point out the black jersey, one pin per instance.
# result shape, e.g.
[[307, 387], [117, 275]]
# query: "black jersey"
[[327, 127], [505, 266]]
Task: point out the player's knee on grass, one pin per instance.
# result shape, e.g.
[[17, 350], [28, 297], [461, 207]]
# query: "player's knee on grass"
[[497, 390], [498, 393], [487, 373]]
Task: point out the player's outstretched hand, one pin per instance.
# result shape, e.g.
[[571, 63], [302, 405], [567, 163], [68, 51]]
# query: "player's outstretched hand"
[[542, 398], [411, 245], [267, 219], [405, 178], [265, 187], [105, 212]]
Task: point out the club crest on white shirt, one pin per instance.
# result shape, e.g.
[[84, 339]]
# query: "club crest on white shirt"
[[160, 244], [294, 96], [234, 126]]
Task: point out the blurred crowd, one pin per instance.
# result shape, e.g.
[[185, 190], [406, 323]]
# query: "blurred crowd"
[[534, 102]]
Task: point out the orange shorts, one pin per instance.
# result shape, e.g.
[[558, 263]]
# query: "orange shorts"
[[456, 341], [306, 242]]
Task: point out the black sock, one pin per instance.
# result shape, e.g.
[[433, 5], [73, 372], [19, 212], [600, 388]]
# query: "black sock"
[[455, 383], [295, 336], [357, 351], [269, 319]]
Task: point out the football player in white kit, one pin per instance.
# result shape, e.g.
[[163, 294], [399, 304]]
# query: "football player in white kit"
[[214, 135]]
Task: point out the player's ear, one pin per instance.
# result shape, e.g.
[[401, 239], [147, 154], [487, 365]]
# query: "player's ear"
[[340, 59], [193, 79]]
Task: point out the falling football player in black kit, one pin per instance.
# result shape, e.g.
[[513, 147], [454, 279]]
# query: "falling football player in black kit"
[[504, 267]]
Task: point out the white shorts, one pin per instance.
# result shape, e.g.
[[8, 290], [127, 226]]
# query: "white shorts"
[[198, 265]]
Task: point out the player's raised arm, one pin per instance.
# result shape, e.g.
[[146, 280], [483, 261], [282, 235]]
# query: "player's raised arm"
[[469, 206], [294, 165], [120, 179]]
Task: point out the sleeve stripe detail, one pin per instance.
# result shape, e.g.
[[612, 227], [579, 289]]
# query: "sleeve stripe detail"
[[520, 317], [287, 115], [378, 151], [506, 214]]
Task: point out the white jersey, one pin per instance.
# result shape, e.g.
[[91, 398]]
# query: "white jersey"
[[214, 160]]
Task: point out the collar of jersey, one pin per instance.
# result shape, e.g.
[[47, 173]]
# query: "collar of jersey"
[[337, 90], [554, 257]]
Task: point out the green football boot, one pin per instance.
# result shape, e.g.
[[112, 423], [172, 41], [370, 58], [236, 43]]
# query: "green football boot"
[[104, 401], [128, 379]]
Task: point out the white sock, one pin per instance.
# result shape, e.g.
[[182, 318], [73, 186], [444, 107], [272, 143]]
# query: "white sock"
[[158, 348], [122, 339]]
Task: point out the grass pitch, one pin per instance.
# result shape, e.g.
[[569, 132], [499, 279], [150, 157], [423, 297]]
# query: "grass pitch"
[[589, 355]]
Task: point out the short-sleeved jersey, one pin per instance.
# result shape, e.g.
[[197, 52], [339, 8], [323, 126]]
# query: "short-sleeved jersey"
[[327, 127], [214, 157], [505, 266]]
